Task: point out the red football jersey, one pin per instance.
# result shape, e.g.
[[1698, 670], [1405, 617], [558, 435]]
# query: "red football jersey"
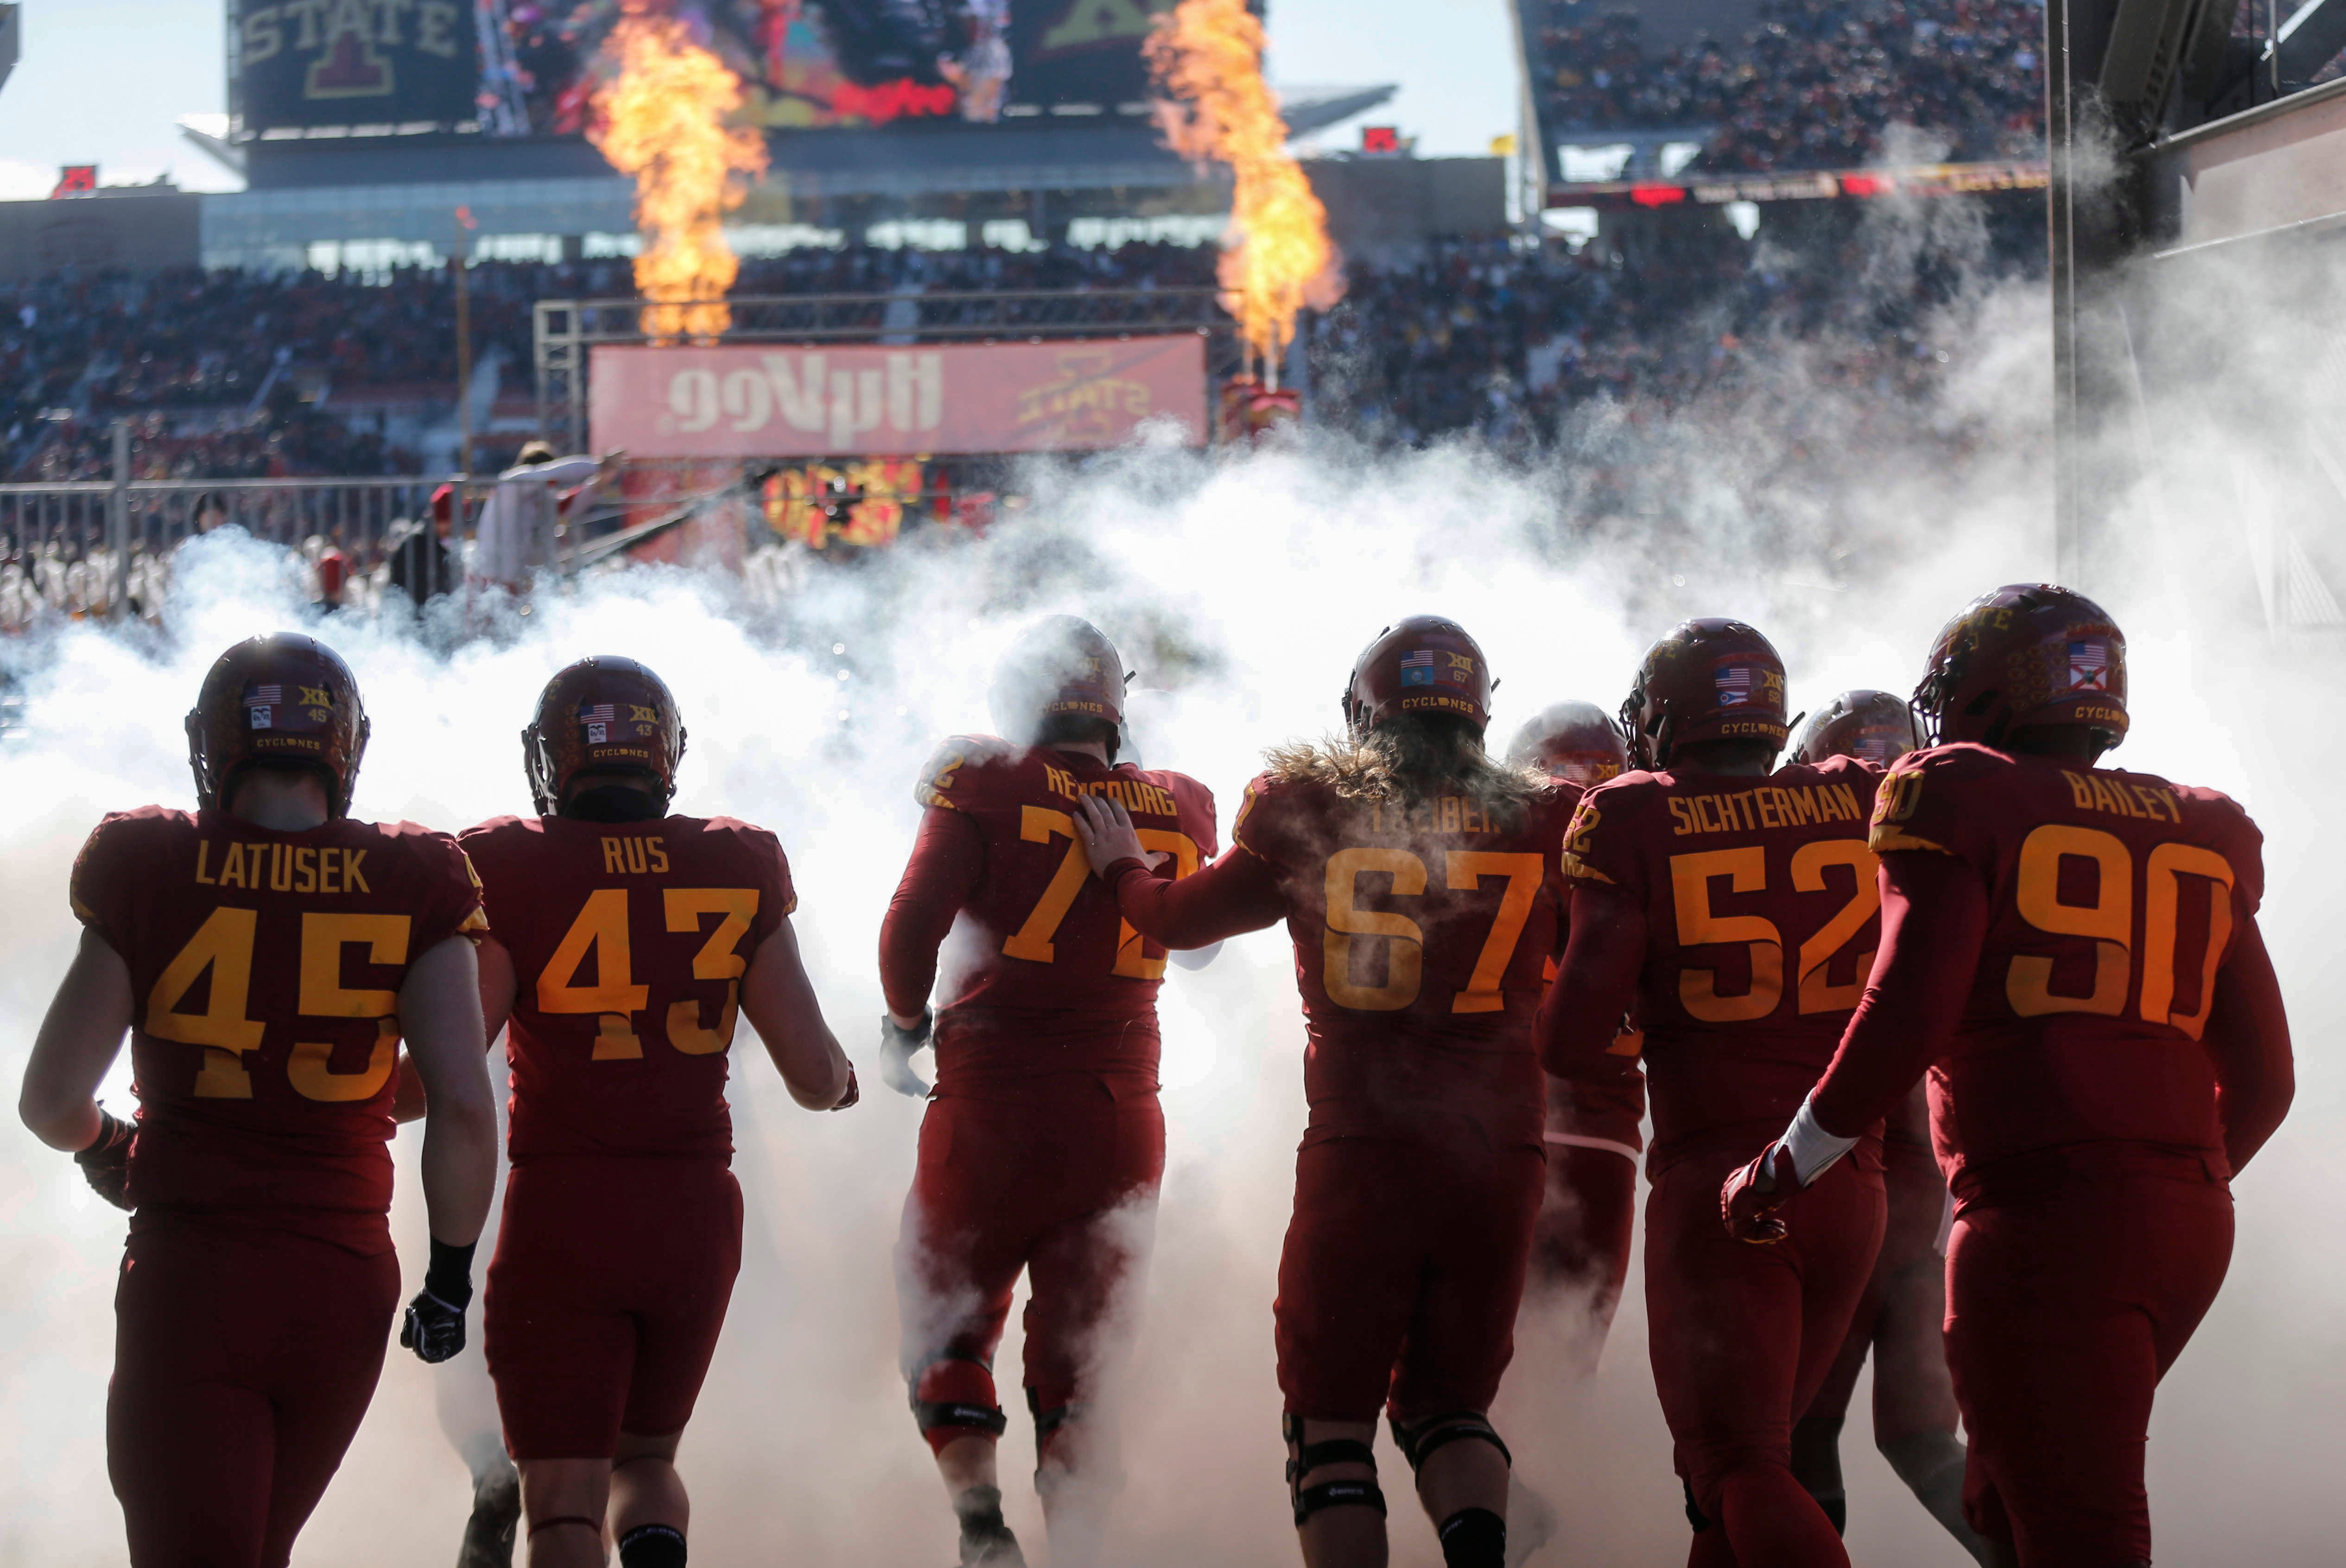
[[265, 969], [1038, 952], [2112, 901], [1762, 914], [1422, 936], [629, 940]]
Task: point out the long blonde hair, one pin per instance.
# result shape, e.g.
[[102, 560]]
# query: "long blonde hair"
[[1409, 758]]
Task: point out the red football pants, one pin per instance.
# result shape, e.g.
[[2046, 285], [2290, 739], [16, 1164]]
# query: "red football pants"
[[1901, 1317], [1057, 1178], [1740, 1335], [1585, 1223], [1398, 1285], [605, 1297], [243, 1362], [2066, 1302]]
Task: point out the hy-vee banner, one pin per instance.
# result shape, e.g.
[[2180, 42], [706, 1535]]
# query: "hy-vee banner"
[[750, 400]]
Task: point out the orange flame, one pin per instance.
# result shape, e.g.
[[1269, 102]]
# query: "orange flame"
[[1208, 54], [662, 119]]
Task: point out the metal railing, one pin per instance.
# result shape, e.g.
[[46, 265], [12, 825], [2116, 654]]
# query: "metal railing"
[[104, 548], [566, 330]]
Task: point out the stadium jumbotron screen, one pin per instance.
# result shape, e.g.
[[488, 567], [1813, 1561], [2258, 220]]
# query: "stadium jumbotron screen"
[[519, 67]]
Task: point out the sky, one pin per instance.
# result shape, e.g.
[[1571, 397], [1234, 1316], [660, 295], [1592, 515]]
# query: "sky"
[[105, 81]]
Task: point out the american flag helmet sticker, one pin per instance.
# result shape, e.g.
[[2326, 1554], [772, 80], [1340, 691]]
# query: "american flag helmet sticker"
[[2090, 665], [1417, 668], [597, 716], [1738, 683]]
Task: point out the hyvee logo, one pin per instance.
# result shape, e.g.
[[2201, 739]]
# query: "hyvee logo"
[[908, 393], [348, 39]]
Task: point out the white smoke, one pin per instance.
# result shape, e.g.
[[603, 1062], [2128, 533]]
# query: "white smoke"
[[1244, 585]]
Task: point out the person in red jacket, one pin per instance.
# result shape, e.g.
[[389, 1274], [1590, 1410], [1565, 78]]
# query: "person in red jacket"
[[633, 942], [1593, 1140], [1419, 879], [267, 954], [2072, 953], [1729, 903], [1043, 1144], [1899, 1319]]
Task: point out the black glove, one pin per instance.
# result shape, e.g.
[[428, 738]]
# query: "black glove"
[[896, 1047], [433, 1327], [106, 1164]]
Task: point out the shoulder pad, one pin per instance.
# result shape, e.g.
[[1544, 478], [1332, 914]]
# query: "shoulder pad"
[[946, 780]]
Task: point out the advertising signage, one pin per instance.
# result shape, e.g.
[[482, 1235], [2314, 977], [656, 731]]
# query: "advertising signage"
[[748, 400], [303, 63], [531, 67]]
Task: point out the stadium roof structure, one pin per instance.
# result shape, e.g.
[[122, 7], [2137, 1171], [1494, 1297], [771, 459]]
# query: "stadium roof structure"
[[11, 31], [303, 189]]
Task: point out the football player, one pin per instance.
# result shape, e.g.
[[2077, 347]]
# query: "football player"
[[1732, 902], [2072, 951], [1419, 880], [267, 954], [1043, 1145], [1900, 1317], [634, 942], [1593, 1142]]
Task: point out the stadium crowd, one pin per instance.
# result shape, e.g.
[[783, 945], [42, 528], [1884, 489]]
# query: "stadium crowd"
[[228, 375], [1817, 85], [235, 375]]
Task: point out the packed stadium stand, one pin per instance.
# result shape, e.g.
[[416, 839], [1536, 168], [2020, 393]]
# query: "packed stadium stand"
[[235, 375], [1817, 85], [230, 375]]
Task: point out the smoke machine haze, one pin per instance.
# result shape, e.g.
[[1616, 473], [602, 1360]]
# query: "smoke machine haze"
[[1242, 585]]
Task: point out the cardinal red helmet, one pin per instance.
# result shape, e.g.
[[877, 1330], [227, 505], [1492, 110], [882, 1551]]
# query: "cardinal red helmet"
[[1876, 726], [602, 715], [1426, 664], [2025, 655], [279, 700], [1574, 741], [1063, 667], [1708, 679]]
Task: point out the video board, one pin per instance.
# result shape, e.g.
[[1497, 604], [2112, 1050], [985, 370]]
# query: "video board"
[[531, 67]]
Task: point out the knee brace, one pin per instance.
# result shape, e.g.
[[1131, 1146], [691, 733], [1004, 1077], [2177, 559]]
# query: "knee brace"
[[652, 1546], [953, 1396], [1309, 1457], [1422, 1442], [1473, 1538]]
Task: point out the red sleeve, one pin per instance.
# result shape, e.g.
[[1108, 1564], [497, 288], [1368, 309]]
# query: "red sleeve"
[[1238, 894], [1933, 921], [1580, 1017], [947, 858], [453, 907], [2248, 1037], [97, 884]]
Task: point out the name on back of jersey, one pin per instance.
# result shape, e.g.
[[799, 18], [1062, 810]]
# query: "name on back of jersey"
[[635, 854], [283, 868], [1132, 794], [1769, 806]]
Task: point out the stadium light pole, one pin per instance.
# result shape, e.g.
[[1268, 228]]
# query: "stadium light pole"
[[2061, 234]]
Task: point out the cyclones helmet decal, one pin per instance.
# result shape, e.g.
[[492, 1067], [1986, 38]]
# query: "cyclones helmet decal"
[[2023, 655], [1877, 726], [601, 714], [1061, 666], [1706, 679], [1571, 740], [1425, 664], [281, 698]]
